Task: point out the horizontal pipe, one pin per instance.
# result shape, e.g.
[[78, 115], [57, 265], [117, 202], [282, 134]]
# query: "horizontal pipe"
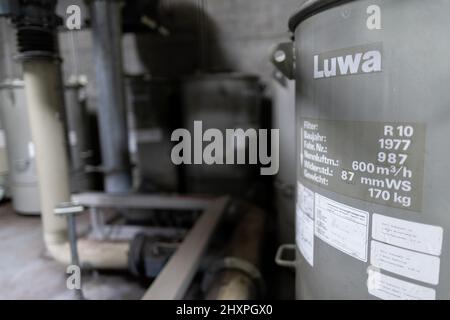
[[93, 254]]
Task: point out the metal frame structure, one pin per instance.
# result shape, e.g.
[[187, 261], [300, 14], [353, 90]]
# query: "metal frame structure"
[[101, 230], [174, 280]]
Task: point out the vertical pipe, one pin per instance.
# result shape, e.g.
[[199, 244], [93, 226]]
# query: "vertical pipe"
[[106, 27], [44, 102]]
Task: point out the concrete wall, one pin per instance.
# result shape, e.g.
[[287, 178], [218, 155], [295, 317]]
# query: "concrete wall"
[[236, 35]]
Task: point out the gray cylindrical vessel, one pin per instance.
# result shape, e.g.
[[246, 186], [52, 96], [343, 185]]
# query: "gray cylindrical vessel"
[[21, 157], [222, 101], [373, 123]]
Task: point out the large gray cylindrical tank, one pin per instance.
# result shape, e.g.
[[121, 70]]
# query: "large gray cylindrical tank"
[[373, 128], [21, 157]]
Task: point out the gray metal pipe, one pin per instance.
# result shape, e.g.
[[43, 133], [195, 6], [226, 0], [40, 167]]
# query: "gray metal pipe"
[[106, 27]]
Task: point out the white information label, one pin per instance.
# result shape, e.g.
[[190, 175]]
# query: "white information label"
[[132, 142], [2, 139], [406, 263], [305, 200], [31, 152], [343, 227], [407, 234], [73, 139], [305, 236], [388, 288]]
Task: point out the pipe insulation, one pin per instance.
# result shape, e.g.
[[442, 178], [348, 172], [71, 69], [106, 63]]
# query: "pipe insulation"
[[45, 102]]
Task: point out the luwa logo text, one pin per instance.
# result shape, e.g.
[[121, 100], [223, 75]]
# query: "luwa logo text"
[[348, 61]]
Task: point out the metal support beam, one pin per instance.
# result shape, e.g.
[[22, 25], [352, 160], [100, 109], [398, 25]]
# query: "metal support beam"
[[141, 201], [128, 233], [174, 280]]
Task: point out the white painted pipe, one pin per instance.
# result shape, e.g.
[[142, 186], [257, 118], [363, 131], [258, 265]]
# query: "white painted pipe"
[[44, 102]]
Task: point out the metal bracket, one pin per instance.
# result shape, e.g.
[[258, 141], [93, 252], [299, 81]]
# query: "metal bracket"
[[68, 208], [283, 58], [281, 252]]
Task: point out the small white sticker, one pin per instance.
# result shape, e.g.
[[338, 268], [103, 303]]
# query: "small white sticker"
[[305, 222], [132, 143], [31, 152], [389, 288], [407, 234], [305, 236], [406, 263], [73, 140], [343, 227], [2, 139], [305, 200]]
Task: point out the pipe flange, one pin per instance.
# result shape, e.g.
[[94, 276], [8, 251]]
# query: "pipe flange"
[[33, 55], [233, 263]]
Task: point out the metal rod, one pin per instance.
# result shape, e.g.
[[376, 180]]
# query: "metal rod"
[[72, 233]]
